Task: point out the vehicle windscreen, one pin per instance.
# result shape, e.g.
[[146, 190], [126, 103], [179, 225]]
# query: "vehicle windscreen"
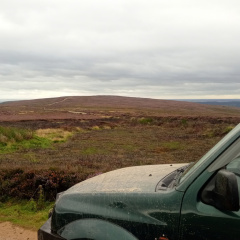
[[218, 148]]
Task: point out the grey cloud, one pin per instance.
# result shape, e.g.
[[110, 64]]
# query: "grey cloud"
[[141, 48]]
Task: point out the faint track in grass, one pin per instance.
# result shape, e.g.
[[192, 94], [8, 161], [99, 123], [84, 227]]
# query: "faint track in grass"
[[50, 104]]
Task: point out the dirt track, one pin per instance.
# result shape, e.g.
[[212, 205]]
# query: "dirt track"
[[9, 231]]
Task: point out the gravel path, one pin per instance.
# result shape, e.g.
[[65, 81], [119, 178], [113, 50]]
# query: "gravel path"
[[8, 231]]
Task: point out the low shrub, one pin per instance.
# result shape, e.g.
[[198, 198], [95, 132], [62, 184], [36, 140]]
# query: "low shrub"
[[11, 134], [25, 185], [95, 128], [145, 120]]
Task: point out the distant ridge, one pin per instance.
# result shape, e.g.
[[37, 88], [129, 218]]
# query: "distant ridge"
[[222, 102], [93, 107], [7, 100]]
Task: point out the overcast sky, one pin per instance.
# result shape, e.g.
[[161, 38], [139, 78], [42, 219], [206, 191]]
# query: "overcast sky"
[[166, 49]]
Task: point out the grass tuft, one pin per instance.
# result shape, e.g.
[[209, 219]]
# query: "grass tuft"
[[145, 120], [10, 134], [172, 145], [95, 128], [55, 135]]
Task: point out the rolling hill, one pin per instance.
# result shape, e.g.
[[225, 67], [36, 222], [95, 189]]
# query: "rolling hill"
[[99, 107]]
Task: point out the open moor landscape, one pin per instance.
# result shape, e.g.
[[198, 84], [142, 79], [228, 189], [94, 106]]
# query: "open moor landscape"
[[48, 145]]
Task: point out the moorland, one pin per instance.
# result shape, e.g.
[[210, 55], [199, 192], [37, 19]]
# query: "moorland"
[[57, 142]]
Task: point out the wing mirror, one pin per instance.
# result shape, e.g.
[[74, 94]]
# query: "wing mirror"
[[222, 191]]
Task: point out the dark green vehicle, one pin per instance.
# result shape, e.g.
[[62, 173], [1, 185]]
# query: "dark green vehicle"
[[178, 201]]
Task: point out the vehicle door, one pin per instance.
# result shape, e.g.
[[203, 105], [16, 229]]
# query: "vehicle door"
[[210, 208]]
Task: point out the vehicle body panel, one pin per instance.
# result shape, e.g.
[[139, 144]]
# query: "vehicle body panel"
[[137, 179], [202, 221], [131, 203]]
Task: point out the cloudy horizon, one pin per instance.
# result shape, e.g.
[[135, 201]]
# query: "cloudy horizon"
[[156, 49]]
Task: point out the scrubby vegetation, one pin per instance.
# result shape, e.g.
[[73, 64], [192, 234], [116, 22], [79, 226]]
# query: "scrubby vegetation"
[[20, 184], [13, 139], [57, 158], [10, 135]]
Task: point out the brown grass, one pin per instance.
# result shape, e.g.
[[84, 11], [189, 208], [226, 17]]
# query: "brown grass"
[[56, 135]]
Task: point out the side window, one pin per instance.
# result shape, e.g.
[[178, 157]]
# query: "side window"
[[234, 167], [223, 190]]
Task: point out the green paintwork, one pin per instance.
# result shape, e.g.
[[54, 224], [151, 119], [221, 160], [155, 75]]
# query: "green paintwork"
[[125, 197], [202, 221], [144, 215], [124, 204], [95, 229]]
